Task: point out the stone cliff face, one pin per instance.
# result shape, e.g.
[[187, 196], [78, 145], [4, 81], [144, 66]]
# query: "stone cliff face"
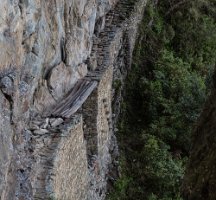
[[58, 62]]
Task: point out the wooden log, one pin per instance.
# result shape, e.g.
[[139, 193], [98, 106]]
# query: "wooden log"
[[65, 103], [75, 99], [79, 102]]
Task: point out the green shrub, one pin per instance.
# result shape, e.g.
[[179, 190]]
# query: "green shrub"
[[165, 90]]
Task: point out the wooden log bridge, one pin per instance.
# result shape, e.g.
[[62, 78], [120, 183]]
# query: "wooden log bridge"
[[103, 46], [75, 99]]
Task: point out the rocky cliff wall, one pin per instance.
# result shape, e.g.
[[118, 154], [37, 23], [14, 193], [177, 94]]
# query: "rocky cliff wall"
[[58, 62]]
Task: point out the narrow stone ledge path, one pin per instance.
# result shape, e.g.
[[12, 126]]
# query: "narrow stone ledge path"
[[125, 15], [71, 151]]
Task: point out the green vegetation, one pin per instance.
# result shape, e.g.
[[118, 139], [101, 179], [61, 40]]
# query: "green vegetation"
[[165, 91]]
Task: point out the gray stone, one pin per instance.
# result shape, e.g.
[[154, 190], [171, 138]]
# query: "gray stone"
[[6, 85], [40, 131], [56, 122]]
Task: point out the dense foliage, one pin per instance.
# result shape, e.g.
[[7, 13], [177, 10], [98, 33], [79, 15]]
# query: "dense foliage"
[[165, 90]]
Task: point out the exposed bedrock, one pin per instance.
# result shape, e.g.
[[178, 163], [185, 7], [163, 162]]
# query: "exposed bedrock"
[[58, 62]]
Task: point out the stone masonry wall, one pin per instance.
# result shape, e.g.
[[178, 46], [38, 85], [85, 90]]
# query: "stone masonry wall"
[[60, 168], [71, 160], [98, 130]]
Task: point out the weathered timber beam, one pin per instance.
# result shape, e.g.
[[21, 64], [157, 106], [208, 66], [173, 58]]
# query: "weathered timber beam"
[[75, 99]]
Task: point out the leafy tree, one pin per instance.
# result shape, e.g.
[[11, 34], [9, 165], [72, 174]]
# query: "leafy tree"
[[165, 90]]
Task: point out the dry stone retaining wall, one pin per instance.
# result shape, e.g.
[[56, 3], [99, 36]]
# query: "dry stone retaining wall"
[[97, 114], [71, 168]]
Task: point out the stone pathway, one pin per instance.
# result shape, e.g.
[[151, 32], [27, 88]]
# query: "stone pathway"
[[61, 117]]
